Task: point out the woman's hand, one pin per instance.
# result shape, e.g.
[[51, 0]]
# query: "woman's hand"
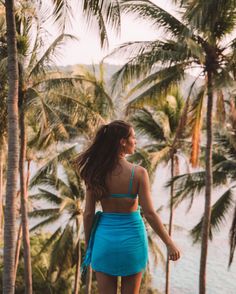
[[173, 252]]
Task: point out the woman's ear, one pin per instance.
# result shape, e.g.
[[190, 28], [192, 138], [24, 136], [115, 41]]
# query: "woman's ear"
[[123, 142]]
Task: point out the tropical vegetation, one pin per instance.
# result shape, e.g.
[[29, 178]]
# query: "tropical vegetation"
[[48, 115]]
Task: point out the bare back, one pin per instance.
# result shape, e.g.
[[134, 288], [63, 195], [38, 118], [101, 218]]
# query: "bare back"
[[118, 182]]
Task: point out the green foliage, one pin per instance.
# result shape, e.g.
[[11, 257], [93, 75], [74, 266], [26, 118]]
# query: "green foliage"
[[65, 194], [189, 186], [41, 280]]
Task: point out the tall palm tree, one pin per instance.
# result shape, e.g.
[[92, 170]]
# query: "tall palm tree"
[[30, 67], [194, 40], [3, 112], [188, 186], [159, 123], [12, 171]]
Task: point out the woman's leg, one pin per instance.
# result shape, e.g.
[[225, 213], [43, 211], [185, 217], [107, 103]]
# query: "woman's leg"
[[131, 284], [106, 284]]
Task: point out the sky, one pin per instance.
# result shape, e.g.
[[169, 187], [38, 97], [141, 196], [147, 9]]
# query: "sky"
[[87, 49]]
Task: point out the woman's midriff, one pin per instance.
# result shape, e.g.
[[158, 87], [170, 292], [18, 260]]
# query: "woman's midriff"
[[119, 205]]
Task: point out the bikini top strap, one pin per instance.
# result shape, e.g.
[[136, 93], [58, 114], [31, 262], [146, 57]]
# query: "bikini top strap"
[[131, 180]]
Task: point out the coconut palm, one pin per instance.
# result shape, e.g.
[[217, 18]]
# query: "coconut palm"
[[159, 123], [188, 186], [31, 67], [3, 111], [65, 194], [194, 40], [12, 172], [80, 108]]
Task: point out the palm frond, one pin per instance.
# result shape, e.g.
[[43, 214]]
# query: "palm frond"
[[159, 156], [232, 237], [227, 144], [48, 243], [188, 186], [63, 13], [50, 167], [196, 118], [147, 124], [218, 215], [102, 12], [145, 58], [219, 23], [47, 57], [156, 15], [43, 212], [49, 221], [46, 195], [166, 79], [62, 252]]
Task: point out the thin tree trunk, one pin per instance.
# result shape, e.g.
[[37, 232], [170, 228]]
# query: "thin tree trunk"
[[78, 263], [13, 154], [18, 246], [88, 286], [19, 236], [208, 184], [170, 226], [24, 206], [1, 192]]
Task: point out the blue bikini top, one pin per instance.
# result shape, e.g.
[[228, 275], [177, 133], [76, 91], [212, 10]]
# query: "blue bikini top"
[[129, 194]]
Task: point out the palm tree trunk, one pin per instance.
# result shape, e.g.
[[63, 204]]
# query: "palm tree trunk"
[[170, 225], [88, 286], [24, 206], [13, 154], [18, 245], [1, 191], [208, 184], [78, 263]]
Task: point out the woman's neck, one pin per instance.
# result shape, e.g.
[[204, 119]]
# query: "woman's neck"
[[121, 156]]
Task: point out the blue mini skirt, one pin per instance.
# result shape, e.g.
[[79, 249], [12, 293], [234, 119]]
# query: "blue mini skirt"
[[118, 244]]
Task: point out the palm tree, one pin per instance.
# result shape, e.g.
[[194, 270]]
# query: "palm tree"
[[12, 171], [195, 40], [30, 67], [3, 112], [66, 194], [159, 124], [78, 109], [188, 186]]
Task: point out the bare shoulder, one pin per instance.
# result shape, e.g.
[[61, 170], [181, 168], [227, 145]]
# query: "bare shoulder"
[[141, 172]]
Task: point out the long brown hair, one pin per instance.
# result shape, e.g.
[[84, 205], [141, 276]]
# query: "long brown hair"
[[95, 163]]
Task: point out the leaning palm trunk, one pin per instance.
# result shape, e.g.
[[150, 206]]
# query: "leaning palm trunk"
[[77, 272], [18, 245], [24, 206], [78, 263], [1, 192], [174, 172], [13, 158], [88, 286], [208, 184]]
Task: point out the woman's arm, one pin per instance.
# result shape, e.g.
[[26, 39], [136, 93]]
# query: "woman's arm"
[[88, 216], [151, 215]]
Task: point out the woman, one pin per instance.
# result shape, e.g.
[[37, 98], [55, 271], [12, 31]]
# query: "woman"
[[116, 238]]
